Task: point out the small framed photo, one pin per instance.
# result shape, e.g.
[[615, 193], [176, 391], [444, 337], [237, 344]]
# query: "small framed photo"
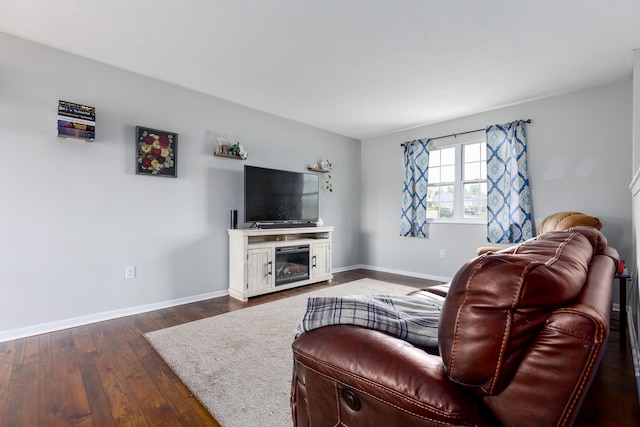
[[157, 152]]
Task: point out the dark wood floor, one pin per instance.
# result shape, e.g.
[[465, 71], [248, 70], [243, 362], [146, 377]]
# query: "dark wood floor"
[[106, 374]]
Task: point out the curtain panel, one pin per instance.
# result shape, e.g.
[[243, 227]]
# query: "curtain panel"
[[509, 218], [413, 220]]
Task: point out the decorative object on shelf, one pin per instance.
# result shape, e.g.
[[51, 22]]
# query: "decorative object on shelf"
[[238, 150], [157, 152], [76, 121], [223, 149], [327, 166], [324, 166], [222, 143], [234, 219]]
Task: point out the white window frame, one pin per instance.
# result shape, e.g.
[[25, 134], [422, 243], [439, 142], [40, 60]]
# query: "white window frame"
[[458, 201]]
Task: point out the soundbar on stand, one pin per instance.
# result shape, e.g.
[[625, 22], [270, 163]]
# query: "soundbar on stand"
[[272, 225]]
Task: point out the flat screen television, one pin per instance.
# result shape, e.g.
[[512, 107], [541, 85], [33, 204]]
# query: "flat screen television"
[[273, 196]]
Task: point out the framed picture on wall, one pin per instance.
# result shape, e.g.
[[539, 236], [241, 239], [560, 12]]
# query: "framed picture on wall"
[[76, 121], [157, 152]]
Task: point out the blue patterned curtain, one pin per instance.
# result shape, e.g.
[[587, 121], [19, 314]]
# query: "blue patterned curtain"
[[509, 217], [413, 221]]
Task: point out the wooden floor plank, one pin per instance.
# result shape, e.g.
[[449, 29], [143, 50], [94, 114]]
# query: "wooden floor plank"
[[153, 403], [64, 402], [7, 361], [99, 405], [123, 403], [31, 352], [83, 342], [63, 354], [60, 384], [45, 360], [144, 323], [23, 406], [177, 394]]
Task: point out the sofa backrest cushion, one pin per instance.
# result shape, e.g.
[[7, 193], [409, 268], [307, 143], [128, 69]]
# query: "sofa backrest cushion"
[[565, 220], [498, 302]]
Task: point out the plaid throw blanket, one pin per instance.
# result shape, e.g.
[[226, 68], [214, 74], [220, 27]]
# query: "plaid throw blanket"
[[413, 318]]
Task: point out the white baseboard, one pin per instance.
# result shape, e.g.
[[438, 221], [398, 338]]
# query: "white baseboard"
[[635, 350], [407, 273], [43, 328], [343, 269]]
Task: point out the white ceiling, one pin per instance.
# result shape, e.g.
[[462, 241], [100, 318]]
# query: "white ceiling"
[[359, 68]]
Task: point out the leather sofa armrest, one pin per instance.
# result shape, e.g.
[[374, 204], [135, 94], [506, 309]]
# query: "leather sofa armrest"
[[561, 364], [556, 373], [384, 371]]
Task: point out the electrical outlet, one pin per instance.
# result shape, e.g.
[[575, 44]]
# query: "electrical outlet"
[[130, 272], [442, 253]]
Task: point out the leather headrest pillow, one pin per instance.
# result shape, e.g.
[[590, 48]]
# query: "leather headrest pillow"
[[498, 302], [565, 220]]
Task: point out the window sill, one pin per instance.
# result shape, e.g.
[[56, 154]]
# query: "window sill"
[[457, 221]]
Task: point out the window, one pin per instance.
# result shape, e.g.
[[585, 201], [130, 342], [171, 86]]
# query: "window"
[[457, 188]]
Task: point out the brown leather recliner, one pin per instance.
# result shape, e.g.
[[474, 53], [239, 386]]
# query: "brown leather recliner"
[[521, 335]]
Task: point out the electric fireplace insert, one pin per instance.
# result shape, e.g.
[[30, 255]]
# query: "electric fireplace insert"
[[292, 264]]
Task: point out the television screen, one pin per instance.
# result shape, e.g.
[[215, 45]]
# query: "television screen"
[[272, 195]]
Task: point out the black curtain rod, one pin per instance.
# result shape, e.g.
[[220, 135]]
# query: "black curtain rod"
[[461, 133]]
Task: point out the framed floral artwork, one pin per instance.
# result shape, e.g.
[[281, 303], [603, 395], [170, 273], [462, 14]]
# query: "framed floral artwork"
[[156, 153]]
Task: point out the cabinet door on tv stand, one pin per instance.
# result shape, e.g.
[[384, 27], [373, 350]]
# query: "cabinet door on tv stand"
[[260, 269], [320, 260]]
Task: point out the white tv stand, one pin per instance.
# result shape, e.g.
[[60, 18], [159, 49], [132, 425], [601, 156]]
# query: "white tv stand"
[[253, 269]]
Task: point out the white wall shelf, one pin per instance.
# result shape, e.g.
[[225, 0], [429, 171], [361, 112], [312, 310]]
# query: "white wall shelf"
[[228, 156], [319, 170]]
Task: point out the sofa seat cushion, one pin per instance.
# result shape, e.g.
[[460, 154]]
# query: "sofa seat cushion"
[[497, 303]]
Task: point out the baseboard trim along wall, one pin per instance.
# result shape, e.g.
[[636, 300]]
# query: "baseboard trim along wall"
[[407, 273], [59, 325], [635, 351], [100, 317]]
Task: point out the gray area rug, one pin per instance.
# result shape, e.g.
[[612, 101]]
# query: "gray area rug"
[[239, 364]]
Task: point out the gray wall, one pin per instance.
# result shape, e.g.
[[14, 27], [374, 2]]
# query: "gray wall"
[[74, 214], [579, 148]]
